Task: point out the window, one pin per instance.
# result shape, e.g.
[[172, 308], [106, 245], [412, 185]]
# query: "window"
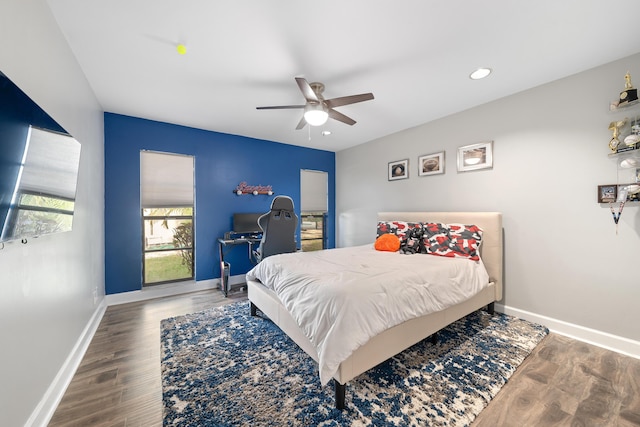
[[44, 186], [39, 214], [168, 244], [312, 231], [167, 188], [313, 209]]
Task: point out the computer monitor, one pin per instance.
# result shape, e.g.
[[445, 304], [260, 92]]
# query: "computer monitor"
[[246, 223]]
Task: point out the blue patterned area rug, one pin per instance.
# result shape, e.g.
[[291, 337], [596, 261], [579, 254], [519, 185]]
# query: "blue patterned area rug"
[[222, 367]]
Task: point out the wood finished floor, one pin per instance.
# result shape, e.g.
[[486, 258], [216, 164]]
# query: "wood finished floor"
[[563, 382]]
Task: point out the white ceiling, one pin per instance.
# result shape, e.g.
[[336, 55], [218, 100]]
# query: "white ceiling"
[[414, 56]]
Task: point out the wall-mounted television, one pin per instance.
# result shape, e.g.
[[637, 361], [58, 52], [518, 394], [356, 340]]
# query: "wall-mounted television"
[[246, 223], [39, 164]]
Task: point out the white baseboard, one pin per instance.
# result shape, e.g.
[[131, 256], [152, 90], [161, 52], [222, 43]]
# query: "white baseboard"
[[170, 289], [42, 414], [46, 407], [159, 291], [612, 342]]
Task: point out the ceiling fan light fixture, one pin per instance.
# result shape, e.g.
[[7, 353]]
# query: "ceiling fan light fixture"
[[315, 114], [480, 73]]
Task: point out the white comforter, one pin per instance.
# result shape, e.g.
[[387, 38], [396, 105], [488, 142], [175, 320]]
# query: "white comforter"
[[340, 298]]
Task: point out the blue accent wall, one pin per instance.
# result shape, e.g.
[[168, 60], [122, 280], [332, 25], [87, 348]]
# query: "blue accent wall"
[[222, 161], [17, 113]]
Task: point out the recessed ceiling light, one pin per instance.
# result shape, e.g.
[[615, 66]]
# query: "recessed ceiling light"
[[326, 132], [480, 73]]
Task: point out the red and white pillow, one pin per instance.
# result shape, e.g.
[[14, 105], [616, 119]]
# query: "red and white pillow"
[[399, 228], [465, 241], [436, 239], [448, 240]]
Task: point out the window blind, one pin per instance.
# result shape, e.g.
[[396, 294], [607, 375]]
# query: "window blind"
[[166, 180], [314, 193], [51, 164]]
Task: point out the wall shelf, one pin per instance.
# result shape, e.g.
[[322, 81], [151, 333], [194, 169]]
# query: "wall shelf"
[[624, 107], [627, 158]]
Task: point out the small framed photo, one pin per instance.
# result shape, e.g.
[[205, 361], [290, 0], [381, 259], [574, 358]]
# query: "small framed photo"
[[607, 193], [475, 156], [399, 169], [431, 164]]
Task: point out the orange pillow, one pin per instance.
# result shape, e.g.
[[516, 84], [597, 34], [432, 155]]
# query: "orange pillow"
[[387, 242]]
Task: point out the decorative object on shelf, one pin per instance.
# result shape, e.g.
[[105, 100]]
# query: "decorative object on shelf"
[[244, 188], [613, 192], [616, 216], [632, 140], [624, 148], [622, 198], [635, 126], [633, 189], [399, 169], [475, 156], [431, 164], [615, 126], [629, 163], [632, 192], [629, 93], [607, 193]]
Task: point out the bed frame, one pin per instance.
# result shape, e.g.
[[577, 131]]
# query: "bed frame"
[[400, 337]]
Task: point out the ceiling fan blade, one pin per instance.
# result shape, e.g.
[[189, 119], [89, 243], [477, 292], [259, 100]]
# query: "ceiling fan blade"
[[301, 123], [346, 100], [306, 90], [279, 107], [341, 117]]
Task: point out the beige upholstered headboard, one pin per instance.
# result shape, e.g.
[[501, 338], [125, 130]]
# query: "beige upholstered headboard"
[[491, 250]]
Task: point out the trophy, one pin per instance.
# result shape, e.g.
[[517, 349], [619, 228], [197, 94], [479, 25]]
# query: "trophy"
[[629, 93], [615, 128]]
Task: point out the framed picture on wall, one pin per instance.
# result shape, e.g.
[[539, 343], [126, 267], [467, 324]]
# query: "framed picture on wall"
[[399, 169], [431, 164], [607, 193], [475, 156]]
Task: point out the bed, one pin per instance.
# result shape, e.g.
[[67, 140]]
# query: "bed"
[[384, 342]]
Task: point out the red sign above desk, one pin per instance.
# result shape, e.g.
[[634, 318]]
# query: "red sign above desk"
[[244, 188]]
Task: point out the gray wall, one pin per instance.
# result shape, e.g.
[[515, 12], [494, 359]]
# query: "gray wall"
[[50, 287], [563, 258]]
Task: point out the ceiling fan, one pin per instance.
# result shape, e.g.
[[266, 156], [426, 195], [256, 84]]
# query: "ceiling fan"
[[317, 109]]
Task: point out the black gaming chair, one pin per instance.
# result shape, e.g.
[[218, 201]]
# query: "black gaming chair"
[[278, 229]]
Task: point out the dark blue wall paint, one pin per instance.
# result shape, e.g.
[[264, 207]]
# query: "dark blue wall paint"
[[222, 162], [17, 113]]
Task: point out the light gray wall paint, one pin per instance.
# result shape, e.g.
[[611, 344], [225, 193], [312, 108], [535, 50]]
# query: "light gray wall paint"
[[47, 286], [563, 258]]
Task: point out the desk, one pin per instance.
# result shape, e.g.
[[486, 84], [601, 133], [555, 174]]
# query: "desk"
[[224, 245]]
